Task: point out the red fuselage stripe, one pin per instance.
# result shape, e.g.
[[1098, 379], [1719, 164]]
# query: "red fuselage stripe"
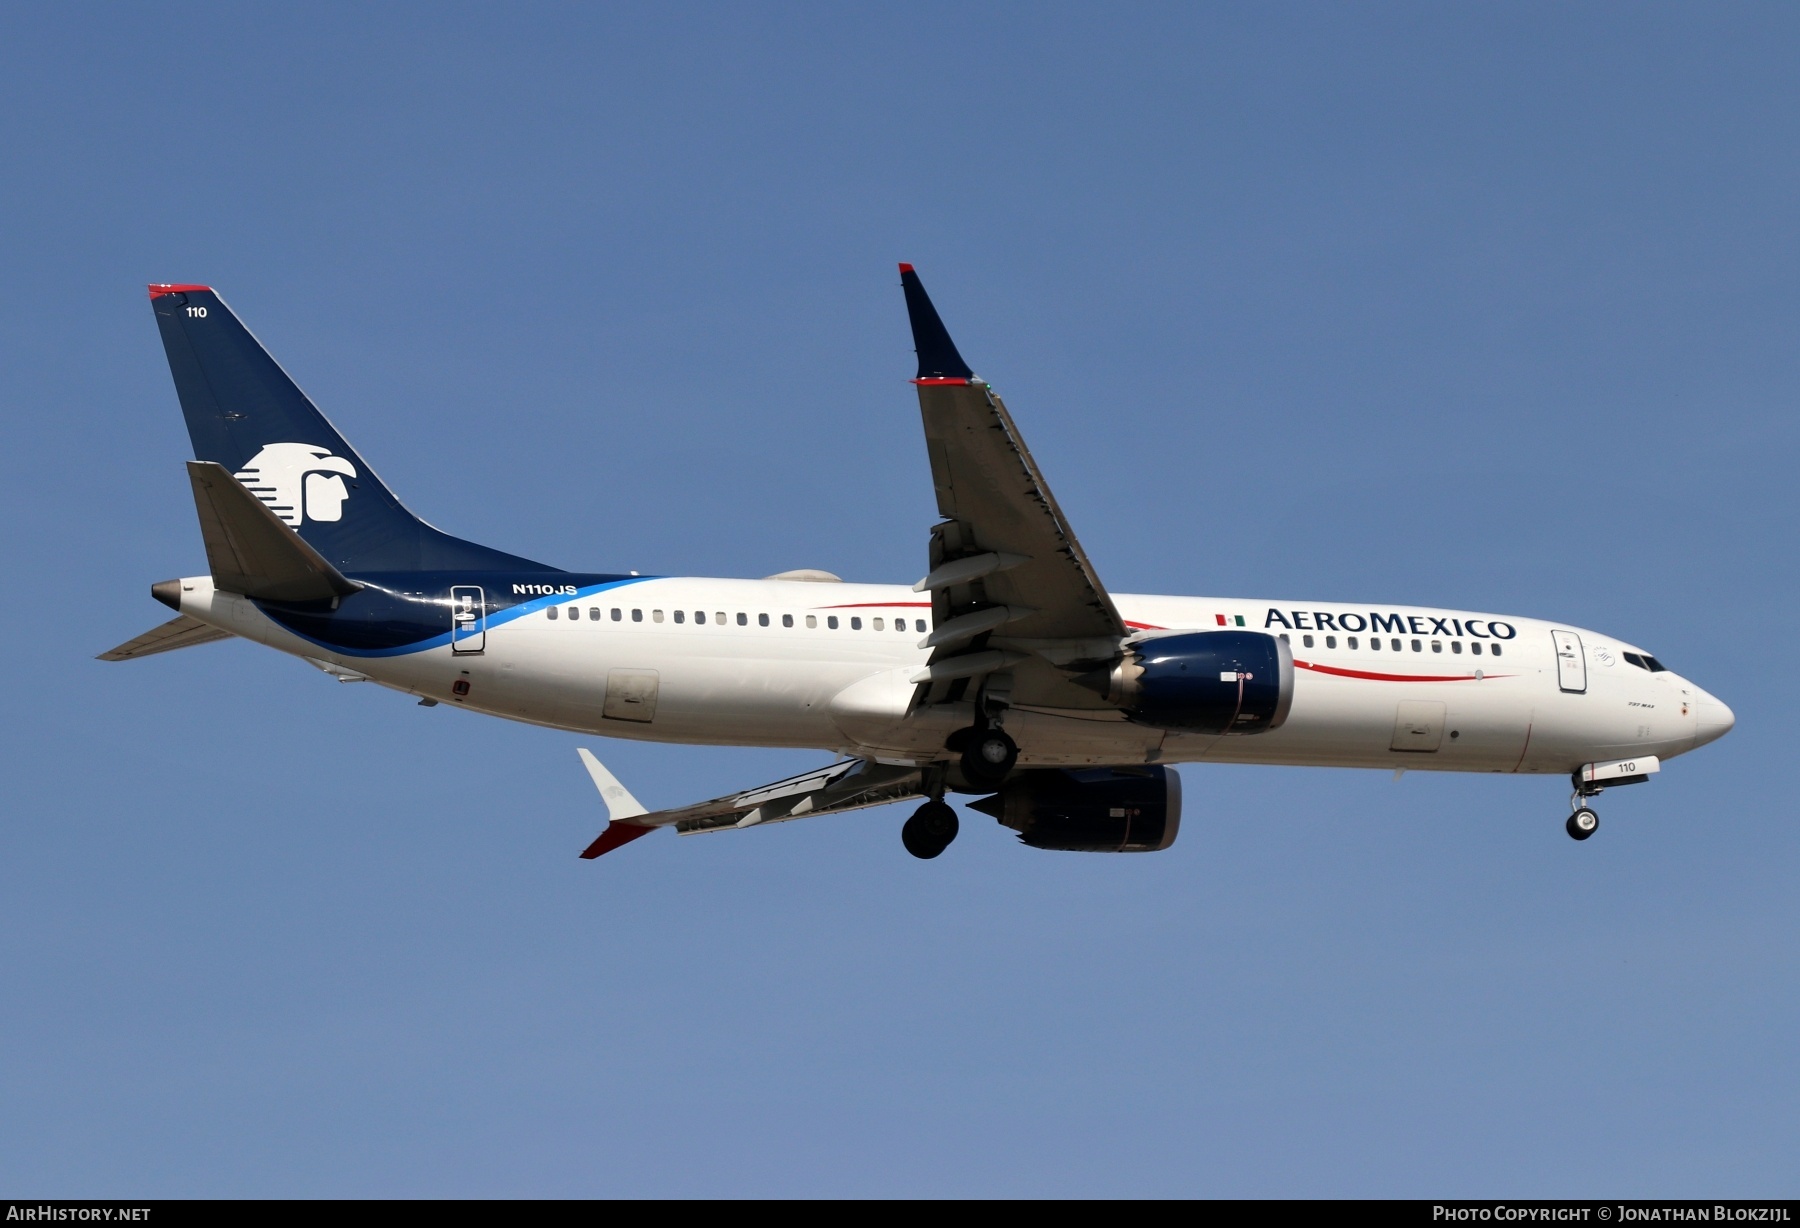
[[1374, 677]]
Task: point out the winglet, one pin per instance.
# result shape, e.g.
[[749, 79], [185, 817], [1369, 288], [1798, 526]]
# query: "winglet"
[[619, 802], [939, 362], [621, 807]]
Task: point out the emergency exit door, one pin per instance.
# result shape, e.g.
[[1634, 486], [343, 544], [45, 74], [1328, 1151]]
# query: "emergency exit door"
[[1571, 665], [468, 619]]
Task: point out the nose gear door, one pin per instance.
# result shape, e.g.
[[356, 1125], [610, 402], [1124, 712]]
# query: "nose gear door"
[[468, 620], [1571, 664]]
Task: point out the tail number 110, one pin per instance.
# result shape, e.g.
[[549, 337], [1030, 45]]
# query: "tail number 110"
[[196, 313]]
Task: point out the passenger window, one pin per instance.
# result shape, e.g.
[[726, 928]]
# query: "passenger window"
[[744, 620], [1437, 645], [831, 621], [1456, 646], [1475, 648], [1494, 648], [594, 612], [1394, 644], [1331, 641], [720, 618], [1285, 639], [878, 625], [787, 620], [1418, 647], [1306, 640], [618, 614], [856, 624], [655, 616], [699, 617], [1375, 643], [637, 616], [812, 620], [1352, 643], [918, 624], [551, 613], [680, 616]]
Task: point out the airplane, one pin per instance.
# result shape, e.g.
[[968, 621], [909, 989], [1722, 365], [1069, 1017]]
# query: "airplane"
[[1009, 673]]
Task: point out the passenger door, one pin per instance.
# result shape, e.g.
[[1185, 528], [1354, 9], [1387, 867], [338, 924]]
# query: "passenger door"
[[1571, 665], [468, 619]]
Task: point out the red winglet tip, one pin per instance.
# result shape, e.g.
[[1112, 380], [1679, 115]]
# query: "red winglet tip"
[[158, 289], [614, 835], [906, 268]]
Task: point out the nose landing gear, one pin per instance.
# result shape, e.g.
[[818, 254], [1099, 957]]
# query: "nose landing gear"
[[930, 830], [1583, 823]]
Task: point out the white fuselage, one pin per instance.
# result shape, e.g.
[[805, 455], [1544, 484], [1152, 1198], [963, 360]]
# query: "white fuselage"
[[1431, 690]]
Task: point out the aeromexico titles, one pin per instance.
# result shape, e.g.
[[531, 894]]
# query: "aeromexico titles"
[[1008, 673]]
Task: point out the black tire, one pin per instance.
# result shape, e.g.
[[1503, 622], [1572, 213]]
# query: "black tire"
[[1582, 824], [988, 758], [930, 830]]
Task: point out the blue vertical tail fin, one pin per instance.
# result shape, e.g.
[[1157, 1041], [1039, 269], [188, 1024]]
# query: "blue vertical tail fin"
[[243, 412]]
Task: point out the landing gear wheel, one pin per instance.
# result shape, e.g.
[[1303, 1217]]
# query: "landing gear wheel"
[[988, 757], [930, 831], [1583, 823]]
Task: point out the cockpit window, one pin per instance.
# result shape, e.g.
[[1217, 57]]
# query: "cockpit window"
[[1647, 662]]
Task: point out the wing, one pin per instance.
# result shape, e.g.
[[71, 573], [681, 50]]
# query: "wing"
[[848, 785], [1013, 595], [182, 632]]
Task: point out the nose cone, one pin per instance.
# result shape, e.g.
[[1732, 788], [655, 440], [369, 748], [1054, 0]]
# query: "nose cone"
[[1713, 720]]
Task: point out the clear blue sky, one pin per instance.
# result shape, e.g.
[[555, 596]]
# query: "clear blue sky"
[[1490, 307]]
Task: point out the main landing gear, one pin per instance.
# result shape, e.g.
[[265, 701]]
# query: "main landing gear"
[[931, 829], [988, 756]]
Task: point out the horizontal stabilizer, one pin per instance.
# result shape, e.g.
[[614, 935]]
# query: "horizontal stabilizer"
[[251, 551], [183, 632]]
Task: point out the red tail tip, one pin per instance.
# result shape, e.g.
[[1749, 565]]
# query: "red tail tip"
[[158, 289], [616, 833], [906, 268]]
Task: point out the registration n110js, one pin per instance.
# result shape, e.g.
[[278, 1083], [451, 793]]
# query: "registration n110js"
[[1008, 673]]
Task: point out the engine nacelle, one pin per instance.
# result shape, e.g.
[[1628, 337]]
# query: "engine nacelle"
[[1206, 682], [1090, 810]]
